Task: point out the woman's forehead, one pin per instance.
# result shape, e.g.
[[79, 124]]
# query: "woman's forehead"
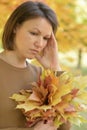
[[39, 24]]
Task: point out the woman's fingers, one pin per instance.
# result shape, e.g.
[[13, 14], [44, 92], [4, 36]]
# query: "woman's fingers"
[[48, 126]]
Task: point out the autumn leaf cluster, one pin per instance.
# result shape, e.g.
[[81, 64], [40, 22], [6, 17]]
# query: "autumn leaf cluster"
[[60, 98]]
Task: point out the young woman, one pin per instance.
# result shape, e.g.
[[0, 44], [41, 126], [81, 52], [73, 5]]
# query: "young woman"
[[29, 33]]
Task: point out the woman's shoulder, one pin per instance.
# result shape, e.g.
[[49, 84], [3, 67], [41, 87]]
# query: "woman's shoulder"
[[1, 58], [1, 55]]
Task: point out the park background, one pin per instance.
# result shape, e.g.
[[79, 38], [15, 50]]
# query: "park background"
[[71, 34]]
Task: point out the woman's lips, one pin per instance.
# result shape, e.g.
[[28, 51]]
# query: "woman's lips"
[[34, 51]]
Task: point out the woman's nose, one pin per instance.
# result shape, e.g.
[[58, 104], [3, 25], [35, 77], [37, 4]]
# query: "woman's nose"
[[39, 42]]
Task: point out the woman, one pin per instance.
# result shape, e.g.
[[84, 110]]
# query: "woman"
[[28, 33]]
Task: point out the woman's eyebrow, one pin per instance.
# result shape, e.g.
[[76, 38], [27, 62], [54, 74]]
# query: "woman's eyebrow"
[[37, 29], [40, 31]]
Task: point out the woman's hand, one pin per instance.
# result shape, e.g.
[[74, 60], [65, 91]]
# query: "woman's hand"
[[49, 57], [45, 126]]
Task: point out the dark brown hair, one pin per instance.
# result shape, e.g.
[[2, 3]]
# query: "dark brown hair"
[[22, 13]]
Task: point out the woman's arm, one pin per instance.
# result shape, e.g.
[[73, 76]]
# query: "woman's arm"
[[49, 58]]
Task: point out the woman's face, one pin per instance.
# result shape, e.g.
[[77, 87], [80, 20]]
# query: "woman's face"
[[32, 37]]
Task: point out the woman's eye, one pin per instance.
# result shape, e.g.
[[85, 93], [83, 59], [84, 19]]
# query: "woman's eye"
[[34, 33], [46, 38]]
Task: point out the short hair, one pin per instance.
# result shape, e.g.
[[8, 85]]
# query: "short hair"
[[25, 11]]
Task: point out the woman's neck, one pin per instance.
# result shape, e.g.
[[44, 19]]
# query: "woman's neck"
[[13, 58]]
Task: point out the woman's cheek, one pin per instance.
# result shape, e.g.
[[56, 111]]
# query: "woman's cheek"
[[45, 45]]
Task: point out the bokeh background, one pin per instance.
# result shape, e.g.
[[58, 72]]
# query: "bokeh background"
[[71, 35]]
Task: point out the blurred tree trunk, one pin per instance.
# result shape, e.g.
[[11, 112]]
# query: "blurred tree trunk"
[[79, 58]]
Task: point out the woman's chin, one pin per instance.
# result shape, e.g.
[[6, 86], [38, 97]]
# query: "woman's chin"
[[31, 57]]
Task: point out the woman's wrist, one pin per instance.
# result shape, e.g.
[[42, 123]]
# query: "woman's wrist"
[[56, 68]]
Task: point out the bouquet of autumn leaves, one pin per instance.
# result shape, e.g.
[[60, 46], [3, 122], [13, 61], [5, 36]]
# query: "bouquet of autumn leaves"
[[60, 98]]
